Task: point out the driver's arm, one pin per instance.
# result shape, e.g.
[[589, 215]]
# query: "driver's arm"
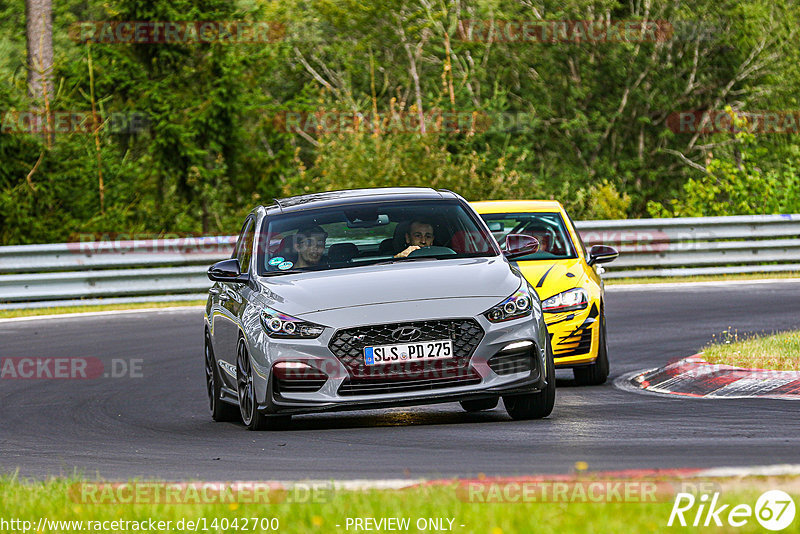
[[407, 251]]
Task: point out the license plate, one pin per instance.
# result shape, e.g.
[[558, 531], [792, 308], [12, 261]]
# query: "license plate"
[[409, 352]]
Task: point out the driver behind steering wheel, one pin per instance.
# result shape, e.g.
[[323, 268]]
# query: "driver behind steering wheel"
[[420, 234]]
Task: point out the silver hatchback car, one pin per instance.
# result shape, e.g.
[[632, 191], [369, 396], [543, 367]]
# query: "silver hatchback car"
[[373, 298]]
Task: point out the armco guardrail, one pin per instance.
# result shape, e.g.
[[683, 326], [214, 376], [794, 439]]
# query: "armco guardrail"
[[67, 272], [114, 253], [648, 247], [698, 245]]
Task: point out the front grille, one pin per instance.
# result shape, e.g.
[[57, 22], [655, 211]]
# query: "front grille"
[[298, 386], [574, 345], [348, 346], [378, 386], [512, 362]]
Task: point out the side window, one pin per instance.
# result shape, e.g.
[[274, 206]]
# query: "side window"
[[238, 244], [580, 239], [244, 246]]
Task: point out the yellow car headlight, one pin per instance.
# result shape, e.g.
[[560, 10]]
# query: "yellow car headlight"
[[571, 300]]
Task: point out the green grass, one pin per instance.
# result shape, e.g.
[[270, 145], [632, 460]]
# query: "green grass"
[[780, 352], [9, 314], [709, 278], [52, 499]]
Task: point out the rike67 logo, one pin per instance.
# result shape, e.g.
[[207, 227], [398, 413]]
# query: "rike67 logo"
[[774, 510]]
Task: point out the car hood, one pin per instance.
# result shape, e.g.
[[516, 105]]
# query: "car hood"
[[469, 286], [550, 277]]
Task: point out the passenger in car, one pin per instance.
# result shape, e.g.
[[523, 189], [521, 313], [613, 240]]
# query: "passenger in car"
[[310, 246], [420, 234]]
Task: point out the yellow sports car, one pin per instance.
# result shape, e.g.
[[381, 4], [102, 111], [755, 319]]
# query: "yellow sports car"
[[563, 274]]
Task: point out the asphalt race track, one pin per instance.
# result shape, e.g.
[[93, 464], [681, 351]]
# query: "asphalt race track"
[[157, 425]]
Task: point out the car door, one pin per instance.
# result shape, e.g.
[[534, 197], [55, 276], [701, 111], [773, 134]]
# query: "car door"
[[226, 322], [239, 293]]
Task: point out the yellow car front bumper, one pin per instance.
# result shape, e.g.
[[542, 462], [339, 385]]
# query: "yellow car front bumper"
[[573, 336]]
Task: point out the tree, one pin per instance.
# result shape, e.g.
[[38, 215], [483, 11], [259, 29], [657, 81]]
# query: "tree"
[[39, 14]]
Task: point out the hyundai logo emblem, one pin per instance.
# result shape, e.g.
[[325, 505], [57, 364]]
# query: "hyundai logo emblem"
[[406, 333]]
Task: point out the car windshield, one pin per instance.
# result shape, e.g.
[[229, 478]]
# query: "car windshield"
[[548, 228], [369, 233]]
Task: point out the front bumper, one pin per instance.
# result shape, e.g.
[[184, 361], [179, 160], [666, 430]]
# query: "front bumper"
[[484, 381], [279, 405], [574, 336]]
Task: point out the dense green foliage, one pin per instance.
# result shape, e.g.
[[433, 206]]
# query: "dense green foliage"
[[592, 130]]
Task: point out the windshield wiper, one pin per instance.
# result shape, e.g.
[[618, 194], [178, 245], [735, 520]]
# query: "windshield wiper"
[[403, 260], [287, 271], [359, 264]]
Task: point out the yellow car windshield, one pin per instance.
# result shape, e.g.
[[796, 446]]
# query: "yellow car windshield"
[[548, 228]]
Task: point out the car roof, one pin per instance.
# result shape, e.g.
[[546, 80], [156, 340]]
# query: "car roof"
[[356, 196], [516, 206]]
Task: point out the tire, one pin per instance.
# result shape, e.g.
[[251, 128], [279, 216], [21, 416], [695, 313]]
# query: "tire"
[[597, 373], [478, 405], [251, 417], [535, 405], [221, 411]]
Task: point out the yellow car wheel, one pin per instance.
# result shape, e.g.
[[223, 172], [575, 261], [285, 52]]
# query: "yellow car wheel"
[[597, 373]]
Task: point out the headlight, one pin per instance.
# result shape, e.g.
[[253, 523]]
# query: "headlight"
[[280, 325], [517, 305], [574, 299]]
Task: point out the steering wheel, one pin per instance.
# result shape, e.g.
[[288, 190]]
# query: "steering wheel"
[[432, 251]]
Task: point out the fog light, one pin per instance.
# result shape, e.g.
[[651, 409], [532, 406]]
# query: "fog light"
[[297, 371], [516, 346]]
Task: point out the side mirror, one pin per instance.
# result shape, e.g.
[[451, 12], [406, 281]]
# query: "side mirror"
[[602, 254], [227, 271], [518, 245]]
